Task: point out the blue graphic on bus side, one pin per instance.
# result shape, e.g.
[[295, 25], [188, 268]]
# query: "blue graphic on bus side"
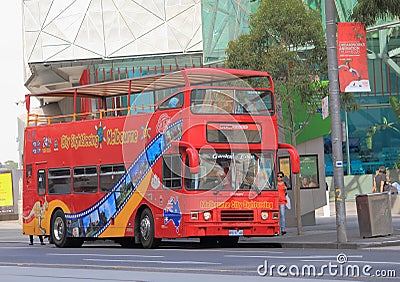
[[94, 220], [172, 212]]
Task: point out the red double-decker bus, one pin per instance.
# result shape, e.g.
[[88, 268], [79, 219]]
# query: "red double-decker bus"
[[191, 153]]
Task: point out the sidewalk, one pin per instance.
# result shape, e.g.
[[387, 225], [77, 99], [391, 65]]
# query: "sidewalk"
[[323, 235]]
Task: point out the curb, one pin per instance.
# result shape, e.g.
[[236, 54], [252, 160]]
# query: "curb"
[[336, 245]]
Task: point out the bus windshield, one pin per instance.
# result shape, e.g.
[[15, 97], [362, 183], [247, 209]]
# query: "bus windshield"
[[233, 171], [232, 101]]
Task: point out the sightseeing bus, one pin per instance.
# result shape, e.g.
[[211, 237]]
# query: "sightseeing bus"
[[187, 154]]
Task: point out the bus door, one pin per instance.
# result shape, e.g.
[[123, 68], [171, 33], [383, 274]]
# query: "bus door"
[[35, 204]]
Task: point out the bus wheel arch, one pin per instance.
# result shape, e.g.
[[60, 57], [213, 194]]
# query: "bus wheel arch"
[[146, 228]]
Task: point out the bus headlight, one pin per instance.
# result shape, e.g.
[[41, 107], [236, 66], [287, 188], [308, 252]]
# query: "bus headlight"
[[264, 215], [207, 215]]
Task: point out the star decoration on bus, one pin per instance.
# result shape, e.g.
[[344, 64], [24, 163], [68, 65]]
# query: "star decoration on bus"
[[145, 132], [100, 133]]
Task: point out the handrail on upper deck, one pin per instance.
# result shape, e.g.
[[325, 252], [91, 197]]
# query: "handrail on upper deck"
[[34, 119]]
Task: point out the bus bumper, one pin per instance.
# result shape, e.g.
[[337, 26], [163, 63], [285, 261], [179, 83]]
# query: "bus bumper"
[[255, 230]]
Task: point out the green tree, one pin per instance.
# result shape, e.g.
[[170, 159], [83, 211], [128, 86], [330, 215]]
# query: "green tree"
[[10, 164], [287, 40], [369, 11]]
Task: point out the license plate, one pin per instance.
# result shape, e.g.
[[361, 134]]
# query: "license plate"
[[235, 232]]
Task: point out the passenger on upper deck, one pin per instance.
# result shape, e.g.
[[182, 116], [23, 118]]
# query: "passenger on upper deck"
[[174, 102]]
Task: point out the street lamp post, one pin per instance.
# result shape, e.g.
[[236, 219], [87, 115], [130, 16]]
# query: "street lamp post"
[[334, 105]]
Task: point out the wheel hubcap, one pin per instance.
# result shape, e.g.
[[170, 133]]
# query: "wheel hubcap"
[[58, 229], [145, 227]]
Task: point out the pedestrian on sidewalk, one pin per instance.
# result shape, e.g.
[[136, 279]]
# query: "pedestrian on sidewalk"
[[381, 181], [40, 238], [282, 201]]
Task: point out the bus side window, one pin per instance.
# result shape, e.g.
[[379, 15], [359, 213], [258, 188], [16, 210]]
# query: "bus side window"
[[41, 183], [109, 176], [60, 181], [174, 102], [28, 171], [172, 171], [85, 179]]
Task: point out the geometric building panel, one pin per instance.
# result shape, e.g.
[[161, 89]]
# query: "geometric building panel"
[[60, 30], [224, 21]]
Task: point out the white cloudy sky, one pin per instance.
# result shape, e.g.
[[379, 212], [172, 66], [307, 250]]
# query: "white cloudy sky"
[[11, 78]]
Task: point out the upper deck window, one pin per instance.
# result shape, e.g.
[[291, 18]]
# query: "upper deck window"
[[174, 102], [232, 101], [142, 102]]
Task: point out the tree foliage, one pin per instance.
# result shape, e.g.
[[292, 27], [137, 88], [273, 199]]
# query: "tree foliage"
[[348, 102], [287, 40], [369, 11], [9, 165]]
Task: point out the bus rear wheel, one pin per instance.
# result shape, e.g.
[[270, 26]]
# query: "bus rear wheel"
[[59, 235], [146, 227], [59, 229]]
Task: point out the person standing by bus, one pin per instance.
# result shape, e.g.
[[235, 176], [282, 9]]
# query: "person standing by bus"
[[40, 238], [282, 201]]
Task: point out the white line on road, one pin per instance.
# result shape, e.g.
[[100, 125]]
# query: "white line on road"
[[103, 255], [223, 251], [157, 261], [290, 257]]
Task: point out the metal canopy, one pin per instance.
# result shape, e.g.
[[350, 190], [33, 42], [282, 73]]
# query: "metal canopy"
[[183, 78]]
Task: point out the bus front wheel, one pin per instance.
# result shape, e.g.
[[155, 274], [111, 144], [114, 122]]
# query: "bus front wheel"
[[59, 229], [147, 230]]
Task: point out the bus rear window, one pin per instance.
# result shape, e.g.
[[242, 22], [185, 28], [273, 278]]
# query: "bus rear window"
[[59, 181]]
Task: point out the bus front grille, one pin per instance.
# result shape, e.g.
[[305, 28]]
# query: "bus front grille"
[[240, 215]]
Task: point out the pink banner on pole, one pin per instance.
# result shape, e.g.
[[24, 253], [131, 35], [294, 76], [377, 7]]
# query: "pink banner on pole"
[[352, 57]]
